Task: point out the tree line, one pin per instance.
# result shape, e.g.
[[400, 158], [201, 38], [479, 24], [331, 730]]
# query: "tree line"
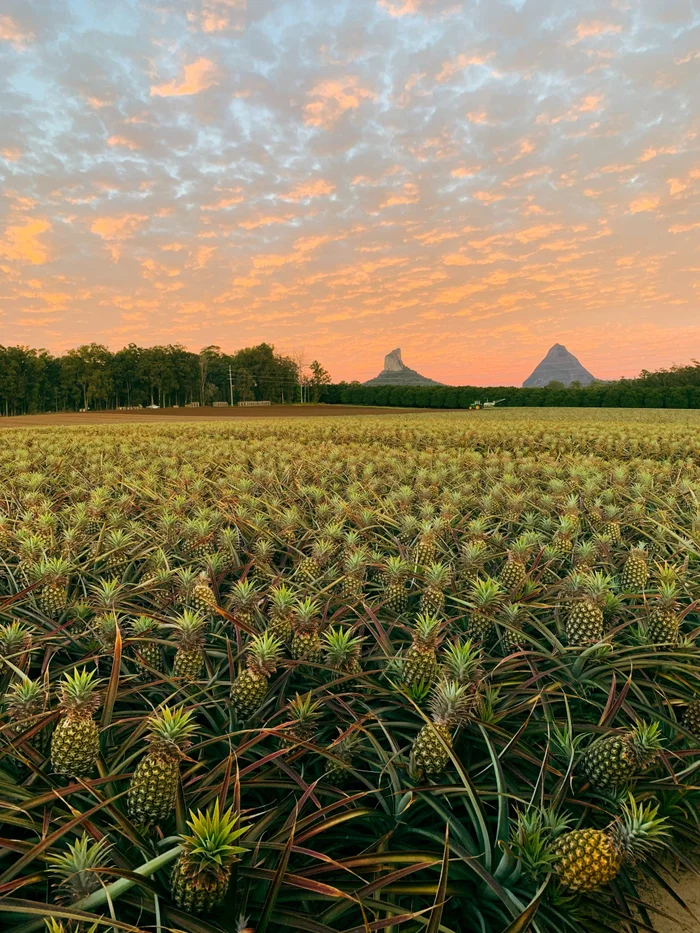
[[677, 387], [93, 377]]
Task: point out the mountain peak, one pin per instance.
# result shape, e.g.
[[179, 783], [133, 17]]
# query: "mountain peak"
[[396, 373], [559, 365]]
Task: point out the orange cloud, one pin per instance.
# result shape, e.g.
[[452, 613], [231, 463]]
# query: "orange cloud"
[[642, 205], [264, 220], [465, 171], [590, 103], [592, 28], [199, 76], [12, 32], [20, 242], [11, 154], [218, 15], [309, 189], [122, 141], [114, 230], [330, 99], [454, 65], [400, 9], [675, 186]]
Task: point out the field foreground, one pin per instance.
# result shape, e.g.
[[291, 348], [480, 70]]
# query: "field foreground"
[[417, 672]]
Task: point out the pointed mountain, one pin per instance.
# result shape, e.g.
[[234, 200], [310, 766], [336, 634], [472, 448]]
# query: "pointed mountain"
[[396, 373], [558, 366]]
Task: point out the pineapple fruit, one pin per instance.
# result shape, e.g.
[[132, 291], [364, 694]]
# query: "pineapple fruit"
[[202, 873], [450, 703], [189, 631], [249, 689], [341, 650], [75, 743], [153, 787], [635, 573], [306, 641], [585, 619], [395, 575], [436, 579], [586, 859], [78, 870], [281, 612], [420, 663], [613, 760], [486, 599]]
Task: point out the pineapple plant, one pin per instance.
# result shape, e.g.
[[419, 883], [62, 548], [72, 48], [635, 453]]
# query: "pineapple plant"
[[306, 640], [587, 859], [245, 599], [143, 631], [202, 597], [281, 612], [311, 568], [303, 713], [635, 573], [153, 787], [249, 689], [613, 760], [75, 742], [354, 569], [25, 703], [341, 650], [585, 618], [344, 750], [436, 579], [15, 645], [426, 544], [420, 663], [473, 557], [202, 873], [486, 599], [395, 575], [189, 631], [610, 526], [664, 623], [563, 538], [511, 628], [80, 870], [691, 717], [450, 703], [51, 576]]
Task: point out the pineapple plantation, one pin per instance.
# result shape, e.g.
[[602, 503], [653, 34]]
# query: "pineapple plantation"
[[434, 672]]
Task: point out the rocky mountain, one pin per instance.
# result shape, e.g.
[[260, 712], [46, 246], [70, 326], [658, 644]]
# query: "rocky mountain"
[[396, 373], [558, 366]]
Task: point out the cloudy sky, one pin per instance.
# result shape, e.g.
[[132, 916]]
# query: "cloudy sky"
[[471, 181]]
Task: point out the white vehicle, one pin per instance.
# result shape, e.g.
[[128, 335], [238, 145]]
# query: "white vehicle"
[[152, 406]]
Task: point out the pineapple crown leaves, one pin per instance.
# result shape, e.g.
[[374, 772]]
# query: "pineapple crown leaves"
[[244, 595], [531, 837], [189, 627], [143, 625], [304, 709], [646, 740], [106, 594], [14, 637], [450, 703], [427, 631], [282, 598], [341, 646], [306, 613], [346, 745], [51, 569], [354, 564], [638, 830], [263, 653], [462, 661], [596, 586], [211, 842], [77, 868], [171, 728], [486, 594], [397, 567], [437, 575], [24, 694], [78, 691]]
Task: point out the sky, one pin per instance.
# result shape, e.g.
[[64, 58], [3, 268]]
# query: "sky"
[[469, 181]]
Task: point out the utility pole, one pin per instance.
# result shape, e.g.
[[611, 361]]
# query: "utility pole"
[[230, 385]]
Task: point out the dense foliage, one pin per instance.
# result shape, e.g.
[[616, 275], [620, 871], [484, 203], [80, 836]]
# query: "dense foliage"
[[91, 376], [393, 673], [678, 387]]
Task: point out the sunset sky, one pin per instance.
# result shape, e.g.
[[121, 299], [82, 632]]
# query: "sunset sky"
[[472, 182]]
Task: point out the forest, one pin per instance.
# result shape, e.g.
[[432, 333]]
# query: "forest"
[[676, 387], [93, 377]]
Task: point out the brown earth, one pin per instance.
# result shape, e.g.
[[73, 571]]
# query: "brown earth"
[[166, 415], [687, 886]]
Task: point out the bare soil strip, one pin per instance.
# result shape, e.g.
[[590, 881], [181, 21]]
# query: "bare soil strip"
[[165, 415]]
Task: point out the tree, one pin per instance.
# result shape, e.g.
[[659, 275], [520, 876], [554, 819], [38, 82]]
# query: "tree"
[[319, 378], [86, 367]]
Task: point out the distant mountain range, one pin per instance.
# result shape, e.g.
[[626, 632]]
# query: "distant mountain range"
[[396, 373], [558, 366]]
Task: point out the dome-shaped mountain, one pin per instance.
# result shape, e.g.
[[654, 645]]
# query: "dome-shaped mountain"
[[396, 373], [558, 366]]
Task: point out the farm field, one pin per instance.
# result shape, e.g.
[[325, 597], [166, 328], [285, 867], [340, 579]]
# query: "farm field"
[[404, 672]]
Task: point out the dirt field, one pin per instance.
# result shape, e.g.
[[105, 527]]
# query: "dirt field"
[[164, 415]]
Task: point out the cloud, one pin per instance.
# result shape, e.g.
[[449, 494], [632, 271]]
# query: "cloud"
[[21, 243], [646, 204], [331, 98], [11, 31], [309, 189], [199, 76]]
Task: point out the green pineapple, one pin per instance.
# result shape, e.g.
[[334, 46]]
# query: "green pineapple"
[[585, 619], [25, 704], [249, 689], [420, 664], [691, 717], [245, 599], [147, 651], [486, 599], [436, 579], [473, 557], [281, 612], [342, 649], [664, 624], [311, 568], [15, 644], [202, 873], [395, 575], [202, 599], [611, 527], [586, 859], [189, 630], [514, 572], [563, 539], [344, 750], [153, 787], [635, 573], [585, 555], [511, 628], [306, 641], [52, 576], [354, 570], [450, 703], [304, 713], [198, 538], [426, 544], [117, 548], [80, 870], [75, 743], [613, 760]]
